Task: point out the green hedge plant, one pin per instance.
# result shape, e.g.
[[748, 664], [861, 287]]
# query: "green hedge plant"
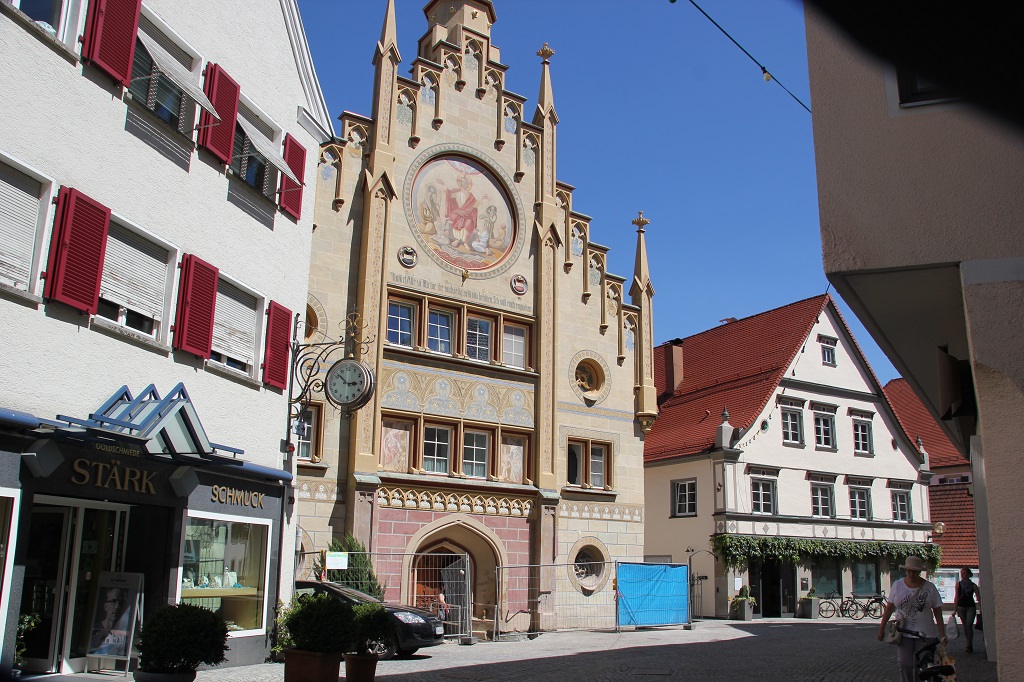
[[180, 638]]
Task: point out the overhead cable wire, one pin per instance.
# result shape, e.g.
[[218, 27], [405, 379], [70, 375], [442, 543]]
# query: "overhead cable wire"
[[764, 70]]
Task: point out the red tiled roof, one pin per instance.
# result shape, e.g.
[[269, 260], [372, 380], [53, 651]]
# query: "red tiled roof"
[[952, 505], [736, 366], [916, 421]]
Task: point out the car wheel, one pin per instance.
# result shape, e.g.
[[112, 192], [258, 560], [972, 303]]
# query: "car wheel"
[[406, 653], [385, 648]]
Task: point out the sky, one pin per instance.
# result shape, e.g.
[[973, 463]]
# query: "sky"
[[658, 112]]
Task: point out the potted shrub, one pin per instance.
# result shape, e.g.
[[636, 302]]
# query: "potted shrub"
[[176, 640], [808, 607], [317, 629], [26, 622], [742, 607], [372, 630]]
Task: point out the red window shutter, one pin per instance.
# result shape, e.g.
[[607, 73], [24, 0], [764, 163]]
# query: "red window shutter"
[[77, 248], [197, 299], [110, 32], [279, 336], [290, 198], [219, 136]]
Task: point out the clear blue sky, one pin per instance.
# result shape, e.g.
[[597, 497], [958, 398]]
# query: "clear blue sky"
[[658, 112]]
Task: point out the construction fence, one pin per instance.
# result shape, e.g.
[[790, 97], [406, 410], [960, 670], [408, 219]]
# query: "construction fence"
[[437, 582], [589, 596]]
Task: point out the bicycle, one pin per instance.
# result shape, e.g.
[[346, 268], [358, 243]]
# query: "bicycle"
[[829, 604], [925, 660], [874, 606], [851, 608]]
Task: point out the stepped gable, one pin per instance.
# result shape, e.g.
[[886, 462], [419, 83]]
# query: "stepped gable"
[[917, 421]]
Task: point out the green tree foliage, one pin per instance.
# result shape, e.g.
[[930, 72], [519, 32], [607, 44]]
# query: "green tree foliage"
[[360, 574], [737, 550]]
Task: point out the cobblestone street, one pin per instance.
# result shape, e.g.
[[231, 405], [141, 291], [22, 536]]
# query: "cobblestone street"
[[716, 651]]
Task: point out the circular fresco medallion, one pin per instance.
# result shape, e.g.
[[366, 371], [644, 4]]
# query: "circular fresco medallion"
[[460, 212], [519, 284]]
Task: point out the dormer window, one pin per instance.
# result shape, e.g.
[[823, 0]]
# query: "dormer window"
[[828, 350]]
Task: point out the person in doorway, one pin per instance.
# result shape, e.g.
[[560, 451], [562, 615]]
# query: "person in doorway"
[[110, 631], [915, 602], [442, 606], [965, 596]]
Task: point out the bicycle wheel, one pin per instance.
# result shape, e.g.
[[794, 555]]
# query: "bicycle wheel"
[[874, 610], [856, 610], [827, 609]]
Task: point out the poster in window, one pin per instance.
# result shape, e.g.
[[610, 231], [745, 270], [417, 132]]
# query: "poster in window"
[[114, 614], [395, 445]]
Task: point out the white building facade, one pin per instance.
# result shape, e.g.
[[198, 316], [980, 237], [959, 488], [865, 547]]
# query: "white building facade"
[[154, 241], [808, 461]]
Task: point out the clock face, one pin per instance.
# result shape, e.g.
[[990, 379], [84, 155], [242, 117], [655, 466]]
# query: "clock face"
[[349, 383]]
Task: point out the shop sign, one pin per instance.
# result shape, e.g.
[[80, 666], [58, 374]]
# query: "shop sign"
[[112, 475], [236, 497]]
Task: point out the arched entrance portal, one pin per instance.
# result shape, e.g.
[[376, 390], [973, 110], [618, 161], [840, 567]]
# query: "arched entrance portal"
[[440, 566]]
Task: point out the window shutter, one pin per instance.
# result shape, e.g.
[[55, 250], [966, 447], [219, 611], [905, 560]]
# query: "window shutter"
[[234, 325], [77, 247], [110, 36], [197, 300], [219, 136], [19, 217], [134, 272], [275, 355], [290, 199]]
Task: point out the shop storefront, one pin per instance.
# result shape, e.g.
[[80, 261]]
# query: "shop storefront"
[[96, 526]]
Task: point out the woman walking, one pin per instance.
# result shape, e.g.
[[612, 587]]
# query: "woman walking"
[[915, 601], [964, 597]]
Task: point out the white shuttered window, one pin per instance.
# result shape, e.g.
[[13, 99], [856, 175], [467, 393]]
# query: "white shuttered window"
[[134, 273], [19, 217], [234, 327]]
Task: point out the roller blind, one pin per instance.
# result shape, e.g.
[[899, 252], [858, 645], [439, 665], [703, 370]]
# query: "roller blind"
[[234, 324], [19, 216], [134, 272]]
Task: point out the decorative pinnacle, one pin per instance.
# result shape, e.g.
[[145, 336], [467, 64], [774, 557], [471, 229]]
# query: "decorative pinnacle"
[[725, 414], [641, 222], [545, 53]]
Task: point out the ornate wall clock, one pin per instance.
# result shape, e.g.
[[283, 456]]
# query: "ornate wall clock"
[[349, 384]]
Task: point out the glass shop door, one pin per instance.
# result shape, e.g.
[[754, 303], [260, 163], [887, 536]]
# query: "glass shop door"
[[70, 543]]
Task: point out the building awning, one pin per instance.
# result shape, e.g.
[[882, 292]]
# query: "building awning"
[[267, 149], [162, 428], [177, 74]]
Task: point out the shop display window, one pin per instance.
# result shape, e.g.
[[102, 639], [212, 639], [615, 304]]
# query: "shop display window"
[[224, 568]]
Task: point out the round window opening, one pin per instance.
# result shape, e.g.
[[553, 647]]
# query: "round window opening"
[[589, 378], [312, 323], [588, 568]]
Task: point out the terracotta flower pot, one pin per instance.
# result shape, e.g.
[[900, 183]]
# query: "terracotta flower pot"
[[360, 668], [310, 666]]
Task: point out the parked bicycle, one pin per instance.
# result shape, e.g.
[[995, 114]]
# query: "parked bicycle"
[[927, 659], [834, 603], [873, 605]]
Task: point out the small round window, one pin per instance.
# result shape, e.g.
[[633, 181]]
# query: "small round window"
[[588, 571], [589, 377], [312, 323]]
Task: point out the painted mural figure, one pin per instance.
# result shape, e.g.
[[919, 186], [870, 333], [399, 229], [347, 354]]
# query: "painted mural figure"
[[430, 211], [461, 210], [395, 446]]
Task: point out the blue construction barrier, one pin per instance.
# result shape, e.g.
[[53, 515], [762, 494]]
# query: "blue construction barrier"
[[653, 594]]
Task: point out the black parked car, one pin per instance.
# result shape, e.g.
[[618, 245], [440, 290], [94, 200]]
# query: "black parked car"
[[414, 628]]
